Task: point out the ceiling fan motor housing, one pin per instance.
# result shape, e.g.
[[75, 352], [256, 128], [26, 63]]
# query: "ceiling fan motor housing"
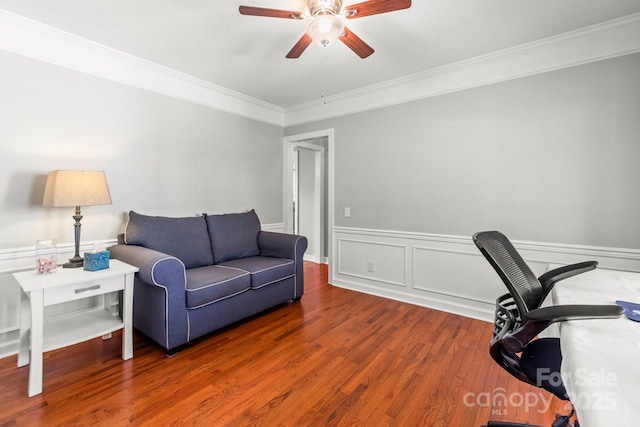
[[324, 7]]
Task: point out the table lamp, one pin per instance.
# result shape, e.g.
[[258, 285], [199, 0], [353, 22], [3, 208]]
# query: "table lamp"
[[76, 188]]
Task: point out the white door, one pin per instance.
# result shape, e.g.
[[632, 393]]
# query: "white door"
[[321, 207], [308, 196]]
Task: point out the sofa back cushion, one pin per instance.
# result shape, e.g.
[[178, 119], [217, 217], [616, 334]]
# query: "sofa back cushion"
[[184, 238], [234, 236]]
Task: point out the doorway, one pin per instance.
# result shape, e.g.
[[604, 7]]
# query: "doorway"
[[308, 191]]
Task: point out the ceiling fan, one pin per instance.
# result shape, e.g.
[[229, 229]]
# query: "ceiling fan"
[[326, 22]]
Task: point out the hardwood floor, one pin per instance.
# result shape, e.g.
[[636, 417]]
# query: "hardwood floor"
[[336, 358]]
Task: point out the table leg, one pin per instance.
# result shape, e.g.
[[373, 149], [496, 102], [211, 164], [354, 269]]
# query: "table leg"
[[106, 303], [25, 327], [127, 318], [35, 368]]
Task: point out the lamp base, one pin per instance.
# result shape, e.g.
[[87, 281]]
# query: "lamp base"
[[74, 263]]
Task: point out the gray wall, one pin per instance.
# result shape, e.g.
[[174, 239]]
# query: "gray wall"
[[162, 156], [553, 157]]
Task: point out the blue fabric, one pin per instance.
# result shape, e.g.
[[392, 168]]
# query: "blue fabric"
[[173, 306], [234, 236], [206, 285], [184, 238], [211, 317], [288, 246], [543, 355], [264, 271], [631, 310], [159, 305]]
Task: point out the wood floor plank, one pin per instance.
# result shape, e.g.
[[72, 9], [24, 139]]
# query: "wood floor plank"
[[337, 358]]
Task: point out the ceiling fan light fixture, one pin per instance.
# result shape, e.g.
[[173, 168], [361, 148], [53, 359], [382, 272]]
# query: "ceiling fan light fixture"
[[325, 29], [325, 22], [324, 7]]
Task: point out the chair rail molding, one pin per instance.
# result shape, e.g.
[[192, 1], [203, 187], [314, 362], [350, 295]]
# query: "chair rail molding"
[[277, 227], [446, 272]]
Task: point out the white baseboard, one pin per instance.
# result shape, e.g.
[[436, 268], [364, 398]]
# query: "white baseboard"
[[312, 258], [446, 272]]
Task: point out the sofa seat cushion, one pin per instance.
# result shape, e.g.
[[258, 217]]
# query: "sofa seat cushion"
[[185, 238], [264, 270], [206, 285]]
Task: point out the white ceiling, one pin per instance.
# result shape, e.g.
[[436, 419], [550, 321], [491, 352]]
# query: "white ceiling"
[[210, 40]]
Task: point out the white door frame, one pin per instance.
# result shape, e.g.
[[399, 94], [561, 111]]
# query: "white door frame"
[[289, 143], [318, 198]]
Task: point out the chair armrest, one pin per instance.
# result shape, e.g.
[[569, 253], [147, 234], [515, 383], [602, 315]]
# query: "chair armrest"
[[282, 245], [561, 313], [540, 318], [155, 268], [551, 277]]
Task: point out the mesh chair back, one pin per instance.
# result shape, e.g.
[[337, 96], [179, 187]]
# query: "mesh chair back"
[[512, 269]]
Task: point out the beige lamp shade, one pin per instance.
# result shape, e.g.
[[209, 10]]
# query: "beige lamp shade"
[[76, 188]]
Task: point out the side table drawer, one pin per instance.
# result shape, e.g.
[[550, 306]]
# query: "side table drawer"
[[60, 294]]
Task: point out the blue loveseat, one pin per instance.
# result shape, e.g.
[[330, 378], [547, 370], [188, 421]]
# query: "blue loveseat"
[[199, 274]]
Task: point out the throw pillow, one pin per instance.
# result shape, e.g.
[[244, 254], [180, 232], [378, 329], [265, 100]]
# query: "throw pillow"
[[185, 238], [234, 235]]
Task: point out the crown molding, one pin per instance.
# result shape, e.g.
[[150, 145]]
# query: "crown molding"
[[605, 40], [44, 43]]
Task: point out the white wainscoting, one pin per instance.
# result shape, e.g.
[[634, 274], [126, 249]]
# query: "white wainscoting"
[[19, 259], [277, 227], [446, 272]]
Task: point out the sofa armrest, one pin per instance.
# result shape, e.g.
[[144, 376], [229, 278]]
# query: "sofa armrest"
[[155, 267], [289, 246], [159, 298], [281, 245]]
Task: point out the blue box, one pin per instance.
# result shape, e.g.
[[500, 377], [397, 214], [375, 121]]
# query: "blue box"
[[94, 261]]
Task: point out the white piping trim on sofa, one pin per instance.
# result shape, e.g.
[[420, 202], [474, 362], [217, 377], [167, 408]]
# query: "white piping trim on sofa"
[[166, 300]]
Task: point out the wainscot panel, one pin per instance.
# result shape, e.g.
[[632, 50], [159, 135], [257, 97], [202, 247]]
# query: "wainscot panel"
[[277, 227], [446, 272], [373, 261], [20, 259]]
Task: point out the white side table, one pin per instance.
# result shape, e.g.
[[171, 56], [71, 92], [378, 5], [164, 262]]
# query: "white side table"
[[68, 284]]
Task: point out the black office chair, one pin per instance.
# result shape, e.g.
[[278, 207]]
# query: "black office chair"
[[519, 319]]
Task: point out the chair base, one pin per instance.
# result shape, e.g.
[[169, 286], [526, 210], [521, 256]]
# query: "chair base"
[[507, 424], [560, 421]]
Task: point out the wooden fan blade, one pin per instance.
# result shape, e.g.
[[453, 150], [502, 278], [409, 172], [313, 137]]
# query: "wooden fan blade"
[[270, 13], [356, 44], [374, 7], [299, 47]]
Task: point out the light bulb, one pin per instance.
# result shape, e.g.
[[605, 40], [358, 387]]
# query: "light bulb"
[[325, 29]]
